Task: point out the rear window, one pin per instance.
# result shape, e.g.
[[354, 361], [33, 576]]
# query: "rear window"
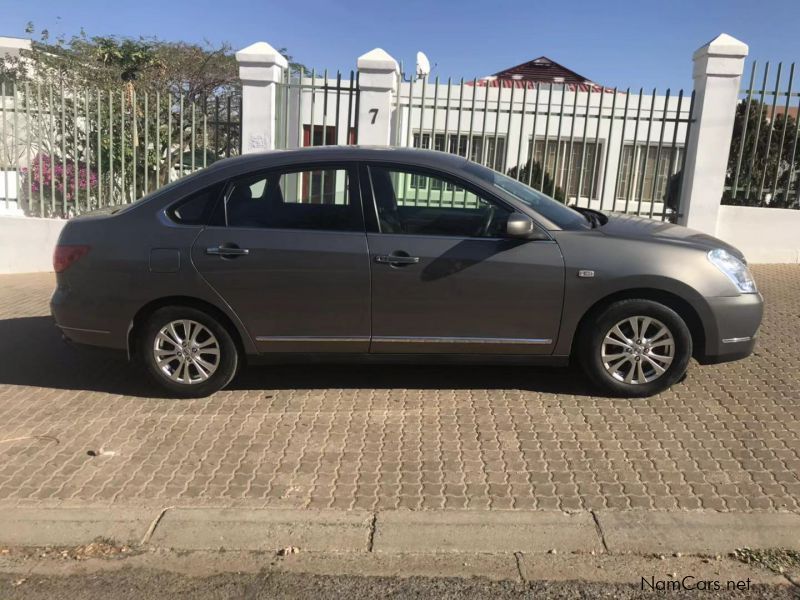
[[313, 199], [195, 209]]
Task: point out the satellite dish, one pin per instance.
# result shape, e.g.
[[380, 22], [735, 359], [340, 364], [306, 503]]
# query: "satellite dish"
[[423, 66]]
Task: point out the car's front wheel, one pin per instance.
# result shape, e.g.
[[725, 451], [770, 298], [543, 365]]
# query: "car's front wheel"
[[187, 352], [636, 348]]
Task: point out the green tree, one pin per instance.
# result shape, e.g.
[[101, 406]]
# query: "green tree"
[[769, 157], [130, 114]]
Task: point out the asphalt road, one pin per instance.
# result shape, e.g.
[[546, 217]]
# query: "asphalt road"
[[138, 584]]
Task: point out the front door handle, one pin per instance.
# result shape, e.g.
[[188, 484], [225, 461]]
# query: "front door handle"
[[227, 251], [395, 259]]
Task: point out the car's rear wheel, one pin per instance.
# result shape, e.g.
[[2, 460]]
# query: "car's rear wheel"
[[636, 348], [187, 352]]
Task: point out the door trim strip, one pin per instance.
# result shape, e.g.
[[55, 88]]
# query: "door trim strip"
[[406, 339], [311, 338], [460, 340], [83, 329]]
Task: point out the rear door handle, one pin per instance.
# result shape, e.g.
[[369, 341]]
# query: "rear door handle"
[[227, 251], [396, 260]]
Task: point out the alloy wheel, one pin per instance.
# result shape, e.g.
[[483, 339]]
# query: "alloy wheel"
[[186, 351], [638, 350]]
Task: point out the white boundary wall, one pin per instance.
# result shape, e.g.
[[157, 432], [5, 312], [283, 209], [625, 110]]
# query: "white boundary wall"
[[765, 235], [27, 244]]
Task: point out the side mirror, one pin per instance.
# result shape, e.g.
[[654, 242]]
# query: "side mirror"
[[521, 226]]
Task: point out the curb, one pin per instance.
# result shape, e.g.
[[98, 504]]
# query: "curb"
[[482, 532], [71, 526], [705, 532], [263, 529], [396, 532]]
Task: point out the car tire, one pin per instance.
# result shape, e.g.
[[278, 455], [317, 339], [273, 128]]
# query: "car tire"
[[204, 361], [635, 348]]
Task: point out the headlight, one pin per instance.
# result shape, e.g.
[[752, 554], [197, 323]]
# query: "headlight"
[[735, 269]]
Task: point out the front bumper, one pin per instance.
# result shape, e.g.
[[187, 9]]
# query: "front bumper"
[[731, 327]]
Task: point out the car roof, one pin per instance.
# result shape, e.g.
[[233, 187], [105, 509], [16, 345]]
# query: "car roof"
[[346, 153]]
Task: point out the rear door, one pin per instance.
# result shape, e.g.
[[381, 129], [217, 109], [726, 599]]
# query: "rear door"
[[445, 279], [288, 253]]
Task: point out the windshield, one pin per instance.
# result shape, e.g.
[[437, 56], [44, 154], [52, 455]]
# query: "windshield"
[[551, 209]]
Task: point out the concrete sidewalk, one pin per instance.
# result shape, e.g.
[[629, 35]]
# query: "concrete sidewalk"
[[397, 532]]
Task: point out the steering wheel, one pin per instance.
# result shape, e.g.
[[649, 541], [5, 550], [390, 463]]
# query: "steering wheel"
[[487, 221]]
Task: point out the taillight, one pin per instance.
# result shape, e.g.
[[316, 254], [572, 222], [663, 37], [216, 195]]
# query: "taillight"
[[65, 255]]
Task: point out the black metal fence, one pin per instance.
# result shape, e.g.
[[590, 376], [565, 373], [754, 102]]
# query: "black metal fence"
[[764, 161], [65, 151]]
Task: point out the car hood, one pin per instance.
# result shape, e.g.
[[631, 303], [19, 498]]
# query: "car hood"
[[640, 228]]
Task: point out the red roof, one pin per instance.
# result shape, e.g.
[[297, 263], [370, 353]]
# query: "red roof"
[[542, 71], [520, 84]]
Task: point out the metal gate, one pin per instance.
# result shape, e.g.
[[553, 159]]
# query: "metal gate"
[[314, 110]]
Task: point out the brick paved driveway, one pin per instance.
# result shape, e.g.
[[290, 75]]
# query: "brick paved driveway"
[[727, 438]]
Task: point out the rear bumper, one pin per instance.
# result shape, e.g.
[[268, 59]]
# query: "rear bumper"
[[731, 332], [82, 320]]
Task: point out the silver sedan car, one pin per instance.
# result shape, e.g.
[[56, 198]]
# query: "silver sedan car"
[[388, 254]]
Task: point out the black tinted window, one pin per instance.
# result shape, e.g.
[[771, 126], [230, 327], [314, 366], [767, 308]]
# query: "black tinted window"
[[195, 209], [419, 203], [311, 199]]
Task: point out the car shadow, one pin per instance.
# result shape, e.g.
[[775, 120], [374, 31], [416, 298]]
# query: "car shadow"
[[33, 353], [411, 377], [465, 254]]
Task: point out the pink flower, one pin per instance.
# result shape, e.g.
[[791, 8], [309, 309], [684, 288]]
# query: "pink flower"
[[47, 174]]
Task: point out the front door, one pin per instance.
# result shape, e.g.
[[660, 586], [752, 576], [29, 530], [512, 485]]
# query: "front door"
[[289, 255], [446, 280]]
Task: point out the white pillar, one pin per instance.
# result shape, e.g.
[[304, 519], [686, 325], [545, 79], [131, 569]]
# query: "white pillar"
[[260, 69], [717, 76], [377, 84]]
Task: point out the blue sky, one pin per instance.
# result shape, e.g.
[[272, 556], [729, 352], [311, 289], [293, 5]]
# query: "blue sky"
[[617, 43]]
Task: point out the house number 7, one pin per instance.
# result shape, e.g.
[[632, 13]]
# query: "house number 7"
[[374, 113]]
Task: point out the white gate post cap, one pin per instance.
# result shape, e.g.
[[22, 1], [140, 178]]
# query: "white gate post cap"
[[263, 54], [378, 60], [722, 56], [377, 71]]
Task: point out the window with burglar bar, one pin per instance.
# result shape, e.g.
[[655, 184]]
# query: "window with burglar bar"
[[487, 150], [578, 167], [647, 169]]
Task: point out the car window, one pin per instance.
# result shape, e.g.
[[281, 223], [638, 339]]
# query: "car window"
[[307, 199], [549, 208], [195, 209], [417, 202]]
